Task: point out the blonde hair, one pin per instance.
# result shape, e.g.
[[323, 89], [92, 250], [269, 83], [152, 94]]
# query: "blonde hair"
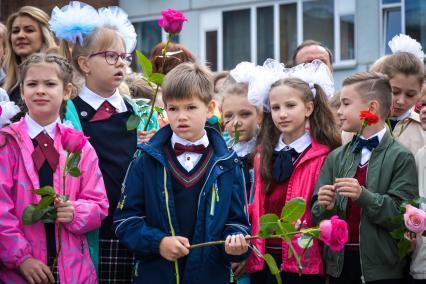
[[12, 61], [186, 81], [100, 39]]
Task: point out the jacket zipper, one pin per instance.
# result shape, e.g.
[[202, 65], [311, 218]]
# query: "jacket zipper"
[[172, 230]]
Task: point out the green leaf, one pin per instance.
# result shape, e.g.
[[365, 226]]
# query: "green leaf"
[[142, 102], [75, 172], [144, 62], [404, 246], [398, 233], [45, 202], [285, 230], [420, 200], [45, 190], [268, 224], [236, 133], [157, 78], [293, 210], [27, 216], [272, 264], [397, 220], [158, 109], [74, 160], [133, 122]]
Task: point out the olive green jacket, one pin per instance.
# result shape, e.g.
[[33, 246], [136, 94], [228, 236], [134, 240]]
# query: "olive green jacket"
[[391, 179]]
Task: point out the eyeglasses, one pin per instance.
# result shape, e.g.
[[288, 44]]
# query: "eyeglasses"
[[111, 57]]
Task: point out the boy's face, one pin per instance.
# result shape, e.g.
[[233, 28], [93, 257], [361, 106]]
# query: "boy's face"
[[188, 117], [350, 108]]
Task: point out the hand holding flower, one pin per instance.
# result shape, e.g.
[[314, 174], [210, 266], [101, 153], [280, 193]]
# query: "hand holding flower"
[[327, 196], [236, 244], [64, 211], [348, 187], [174, 247], [36, 271]]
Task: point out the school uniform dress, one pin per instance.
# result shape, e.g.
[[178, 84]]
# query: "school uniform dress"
[[103, 120]]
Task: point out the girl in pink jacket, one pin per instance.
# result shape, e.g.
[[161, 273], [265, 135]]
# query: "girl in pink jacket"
[[297, 133], [32, 156]]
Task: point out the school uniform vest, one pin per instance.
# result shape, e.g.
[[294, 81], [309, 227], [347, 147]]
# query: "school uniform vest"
[[115, 147]]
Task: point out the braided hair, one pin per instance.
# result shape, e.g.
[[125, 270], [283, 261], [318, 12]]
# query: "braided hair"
[[63, 68]]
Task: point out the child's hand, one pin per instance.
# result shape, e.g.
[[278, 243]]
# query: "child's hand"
[[236, 244], [238, 268], [327, 196], [144, 136], [172, 248], [348, 187], [64, 211], [36, 271]]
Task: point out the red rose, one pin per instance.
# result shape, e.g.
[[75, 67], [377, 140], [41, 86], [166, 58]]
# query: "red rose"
[[172, 21], [371, 118], [334, 233], [72, 140]]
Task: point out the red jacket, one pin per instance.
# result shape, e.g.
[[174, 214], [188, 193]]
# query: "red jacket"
[[301, 184]]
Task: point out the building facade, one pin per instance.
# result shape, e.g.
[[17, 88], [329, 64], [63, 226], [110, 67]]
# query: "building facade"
[[226, 32]]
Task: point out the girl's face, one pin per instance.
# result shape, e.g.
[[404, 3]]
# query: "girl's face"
[[237, 109], [423, 111], [43, 92], [102, 76], [406, 93], [289, 112], [26, 37]]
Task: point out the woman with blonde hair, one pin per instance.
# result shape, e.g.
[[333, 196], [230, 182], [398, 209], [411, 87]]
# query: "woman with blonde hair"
[[27, 33]]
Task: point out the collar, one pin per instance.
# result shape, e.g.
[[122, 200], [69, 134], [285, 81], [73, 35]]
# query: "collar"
[[95, 101], [402, 116], [300, 144], [202, 141], [379, 134], [34, 129], [245, 147]]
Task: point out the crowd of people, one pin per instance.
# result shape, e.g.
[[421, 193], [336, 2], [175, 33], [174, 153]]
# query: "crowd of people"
[[221, 150]]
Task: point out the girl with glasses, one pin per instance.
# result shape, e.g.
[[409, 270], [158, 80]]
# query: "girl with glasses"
[[100, 53]]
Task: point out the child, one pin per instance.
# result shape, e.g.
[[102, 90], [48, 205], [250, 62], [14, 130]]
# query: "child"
[[237, 110], [186, 187], [381, 178], [100, 55], [28, 251], [406, 73], [334, 103], [417, 268], [287, 165]]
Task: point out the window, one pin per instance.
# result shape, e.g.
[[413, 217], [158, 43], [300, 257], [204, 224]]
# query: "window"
[[211, 49], [288, 31], [399, 16], [236, 37], [149, 34], [347, 37], [265, 33]]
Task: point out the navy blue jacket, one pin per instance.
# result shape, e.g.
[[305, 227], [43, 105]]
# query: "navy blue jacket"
[[146, 214]]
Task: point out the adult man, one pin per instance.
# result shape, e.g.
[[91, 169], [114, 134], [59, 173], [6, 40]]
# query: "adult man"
[[310, 50]]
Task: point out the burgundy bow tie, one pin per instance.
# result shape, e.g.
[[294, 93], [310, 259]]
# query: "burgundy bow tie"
[[180, 149], [45, 151], [105, 111]]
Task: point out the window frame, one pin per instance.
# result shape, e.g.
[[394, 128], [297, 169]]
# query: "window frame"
[[382, 9]]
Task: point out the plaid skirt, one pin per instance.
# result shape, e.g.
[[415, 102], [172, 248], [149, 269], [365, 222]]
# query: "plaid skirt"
[[115, 262]]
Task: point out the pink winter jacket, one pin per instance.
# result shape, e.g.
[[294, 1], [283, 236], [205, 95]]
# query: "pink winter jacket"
[[301, 184], [17, 177]]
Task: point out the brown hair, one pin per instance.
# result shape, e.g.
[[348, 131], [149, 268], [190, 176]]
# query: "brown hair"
[[307, 43], [188, 80], [400, 63], [3, 35], [373, 86], [323, 128], [12, 61], [64, 71], [335, 101], [171, 61], [139, 89]]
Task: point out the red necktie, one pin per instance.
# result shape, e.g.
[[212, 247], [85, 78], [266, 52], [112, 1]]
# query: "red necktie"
[[45, 151], [105, 111], [180, 149]]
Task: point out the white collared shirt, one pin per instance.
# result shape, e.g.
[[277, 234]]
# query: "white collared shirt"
[[365, 153], [300, 144], [34, 129], [95, 101], [189, 160], [244, 148], [402, 116]]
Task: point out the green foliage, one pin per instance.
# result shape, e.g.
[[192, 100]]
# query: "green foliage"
[[404, 246], [272, 264], [133, 122], [145, 63], [157, 78], [268, 224], [236, 133], [293, 210]]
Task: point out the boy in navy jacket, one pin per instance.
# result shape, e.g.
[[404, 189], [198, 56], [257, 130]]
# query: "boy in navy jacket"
[[185, 187]]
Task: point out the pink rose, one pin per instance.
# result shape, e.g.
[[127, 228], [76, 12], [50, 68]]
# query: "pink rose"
[[415, 219], [334, 233], [172, 21], [72, 140]]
